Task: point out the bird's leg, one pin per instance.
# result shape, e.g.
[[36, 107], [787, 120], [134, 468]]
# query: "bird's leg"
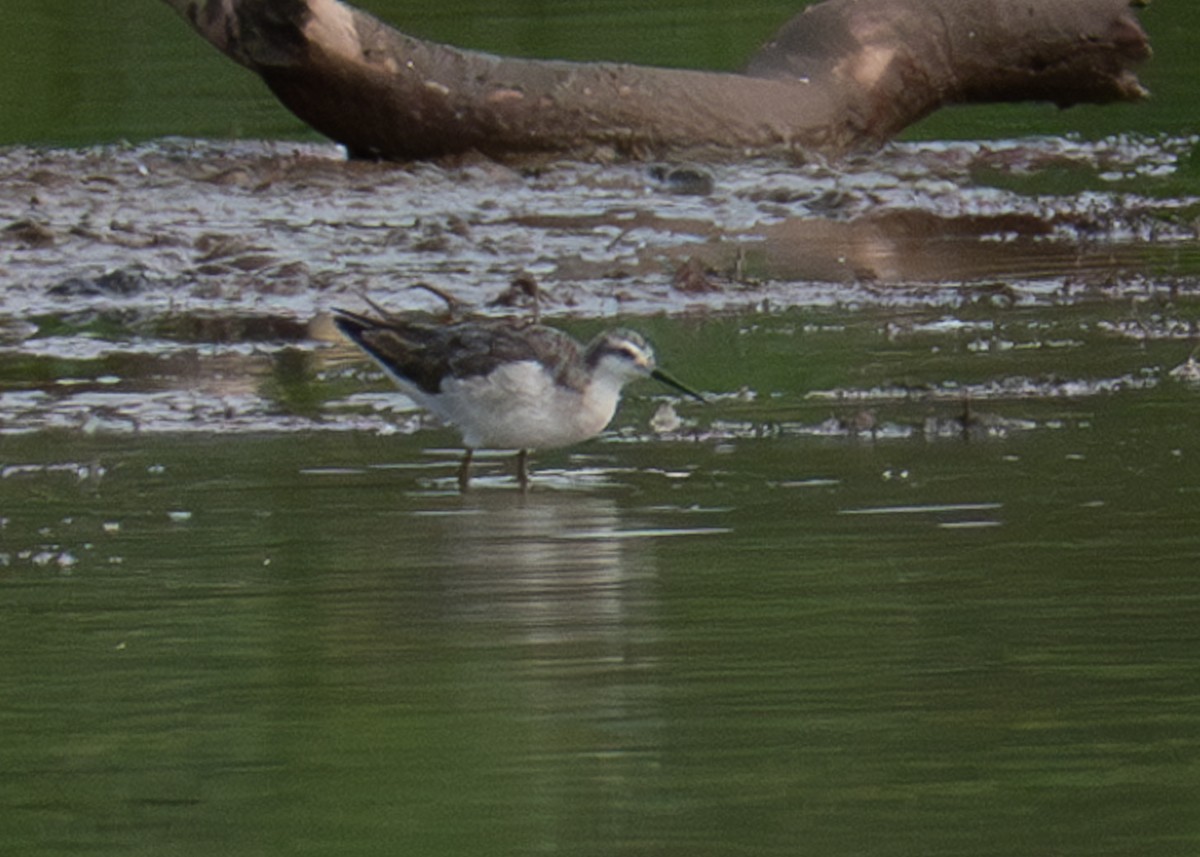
[[464, 470], [523, 469]]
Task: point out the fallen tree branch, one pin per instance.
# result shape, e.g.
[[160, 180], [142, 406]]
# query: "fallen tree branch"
[[842, 75]]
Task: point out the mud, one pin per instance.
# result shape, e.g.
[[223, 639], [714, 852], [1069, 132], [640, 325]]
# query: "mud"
[[251, 227], [186, 284]]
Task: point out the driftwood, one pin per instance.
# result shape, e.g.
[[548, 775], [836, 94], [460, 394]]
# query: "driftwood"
[[840, 76]]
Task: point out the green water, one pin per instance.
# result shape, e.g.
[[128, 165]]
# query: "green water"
[[754, 636], [243, 612]]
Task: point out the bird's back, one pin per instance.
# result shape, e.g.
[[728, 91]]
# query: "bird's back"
[[421, 355]]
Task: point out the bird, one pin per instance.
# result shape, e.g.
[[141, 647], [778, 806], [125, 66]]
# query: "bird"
[[506, 383]]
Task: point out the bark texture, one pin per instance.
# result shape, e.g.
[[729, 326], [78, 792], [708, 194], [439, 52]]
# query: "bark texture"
[[842, 75]]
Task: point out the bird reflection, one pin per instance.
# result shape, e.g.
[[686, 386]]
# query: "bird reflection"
[[551, 599], [570, 606], [550, 568]]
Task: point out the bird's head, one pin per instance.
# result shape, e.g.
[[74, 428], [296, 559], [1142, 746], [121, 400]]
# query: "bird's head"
[[620, 356]]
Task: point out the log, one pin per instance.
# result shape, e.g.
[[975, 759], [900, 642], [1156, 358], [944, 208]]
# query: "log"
[[842, 75]]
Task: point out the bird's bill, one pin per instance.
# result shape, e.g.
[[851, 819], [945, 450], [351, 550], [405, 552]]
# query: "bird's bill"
[[662, 377]]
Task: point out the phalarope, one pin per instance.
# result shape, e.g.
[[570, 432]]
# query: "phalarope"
[[506, 384]]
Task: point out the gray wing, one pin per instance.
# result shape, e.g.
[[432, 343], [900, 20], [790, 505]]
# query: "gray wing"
[[486, 346], [424, 354]]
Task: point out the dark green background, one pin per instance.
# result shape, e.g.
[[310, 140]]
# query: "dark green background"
[[75, 73]]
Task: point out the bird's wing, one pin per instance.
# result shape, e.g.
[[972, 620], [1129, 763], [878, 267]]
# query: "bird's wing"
[[406, 349], [422, 354], [478, 348]]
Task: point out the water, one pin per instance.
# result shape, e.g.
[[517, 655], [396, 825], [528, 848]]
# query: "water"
[[920, 579], [762, 633]]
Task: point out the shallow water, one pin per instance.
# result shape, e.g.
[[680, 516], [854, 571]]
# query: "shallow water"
[[920, 579], [271, 645], [826, 611]]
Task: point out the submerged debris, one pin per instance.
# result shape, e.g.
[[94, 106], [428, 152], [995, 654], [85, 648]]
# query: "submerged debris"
[[1188, 371], [693, 277], [522, 293], [683, 180], [123, 283], [30, 233]]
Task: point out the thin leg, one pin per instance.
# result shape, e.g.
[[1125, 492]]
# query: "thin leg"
[[523, 469], [464, 471]]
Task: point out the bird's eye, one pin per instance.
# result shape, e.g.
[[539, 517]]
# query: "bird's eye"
[[635, 355]]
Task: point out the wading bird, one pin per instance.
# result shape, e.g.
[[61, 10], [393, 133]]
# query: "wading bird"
[[507, 384]]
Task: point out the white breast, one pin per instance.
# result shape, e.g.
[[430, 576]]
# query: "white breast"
[[519, 406]]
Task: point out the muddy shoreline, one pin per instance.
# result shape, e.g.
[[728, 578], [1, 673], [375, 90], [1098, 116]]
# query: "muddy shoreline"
[[186, 284], [279, 228]]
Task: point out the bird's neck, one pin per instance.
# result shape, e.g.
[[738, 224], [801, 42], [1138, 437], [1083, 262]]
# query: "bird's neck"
[[600, 400]]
